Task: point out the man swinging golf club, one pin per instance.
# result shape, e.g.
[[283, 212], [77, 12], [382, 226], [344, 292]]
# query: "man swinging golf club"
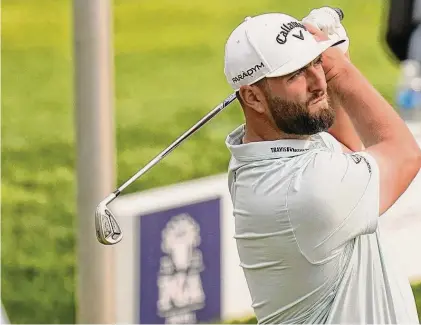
[[320, 157]]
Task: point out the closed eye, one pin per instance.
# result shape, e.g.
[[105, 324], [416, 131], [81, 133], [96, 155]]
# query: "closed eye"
[[296, 74], [318, 61]]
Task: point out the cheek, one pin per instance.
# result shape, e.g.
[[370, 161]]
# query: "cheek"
[[294, 91], [297, 91]]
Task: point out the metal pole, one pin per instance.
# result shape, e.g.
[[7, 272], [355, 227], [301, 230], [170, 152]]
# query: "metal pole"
[[95, 155]]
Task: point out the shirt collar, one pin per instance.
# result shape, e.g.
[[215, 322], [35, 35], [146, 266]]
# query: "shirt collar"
[[266, 149]]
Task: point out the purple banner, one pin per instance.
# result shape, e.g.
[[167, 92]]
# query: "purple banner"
[[180, 264]]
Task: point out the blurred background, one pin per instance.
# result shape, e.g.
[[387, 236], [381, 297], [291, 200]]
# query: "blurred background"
[[167, 74]]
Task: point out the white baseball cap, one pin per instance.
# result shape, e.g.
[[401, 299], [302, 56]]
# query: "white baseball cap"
[[269, 45]]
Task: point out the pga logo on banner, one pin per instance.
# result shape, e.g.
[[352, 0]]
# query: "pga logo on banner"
[[179, 282], [180, 270]]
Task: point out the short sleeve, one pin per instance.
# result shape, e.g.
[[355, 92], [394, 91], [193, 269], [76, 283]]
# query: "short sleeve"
[[332, 201]]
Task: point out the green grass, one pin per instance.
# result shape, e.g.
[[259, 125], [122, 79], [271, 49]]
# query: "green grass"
[[168, 73], [416, 288]]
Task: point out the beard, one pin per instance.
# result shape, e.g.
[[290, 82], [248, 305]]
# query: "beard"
[[296, 118]]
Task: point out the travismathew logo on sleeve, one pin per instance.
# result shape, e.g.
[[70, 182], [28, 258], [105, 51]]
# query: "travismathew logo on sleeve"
[[358, 158], [287, 28], [286, 149], [248, 73]]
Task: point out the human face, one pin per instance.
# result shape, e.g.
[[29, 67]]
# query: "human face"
[[298, 102]]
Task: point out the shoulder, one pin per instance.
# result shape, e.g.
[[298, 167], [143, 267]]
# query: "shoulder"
[[332, 176], [333, 199]]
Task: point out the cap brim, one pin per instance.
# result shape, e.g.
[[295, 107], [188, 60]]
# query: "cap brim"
[[304, 58]]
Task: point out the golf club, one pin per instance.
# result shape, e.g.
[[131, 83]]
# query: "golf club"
[[108, 231]]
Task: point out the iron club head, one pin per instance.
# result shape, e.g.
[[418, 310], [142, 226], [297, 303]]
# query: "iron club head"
[[108, 231]]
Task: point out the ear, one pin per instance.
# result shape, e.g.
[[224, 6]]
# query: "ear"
[[253, 97]]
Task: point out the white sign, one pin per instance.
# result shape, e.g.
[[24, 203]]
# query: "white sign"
[[236, 301]]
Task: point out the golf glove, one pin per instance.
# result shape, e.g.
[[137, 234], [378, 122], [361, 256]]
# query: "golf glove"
[[327, 20]]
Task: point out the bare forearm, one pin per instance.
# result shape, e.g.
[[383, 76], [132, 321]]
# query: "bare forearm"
[[371, 115], [342, 129], [384, 134]]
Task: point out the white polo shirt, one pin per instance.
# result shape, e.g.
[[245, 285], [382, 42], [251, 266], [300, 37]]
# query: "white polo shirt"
[[306, 217]]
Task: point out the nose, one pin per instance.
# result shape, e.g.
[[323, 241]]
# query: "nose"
[[316, 80]]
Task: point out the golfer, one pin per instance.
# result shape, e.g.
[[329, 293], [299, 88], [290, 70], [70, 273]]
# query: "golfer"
[[320, 158]]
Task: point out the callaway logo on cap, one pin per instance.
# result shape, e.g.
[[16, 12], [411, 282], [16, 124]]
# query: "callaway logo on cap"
[[269, 45]]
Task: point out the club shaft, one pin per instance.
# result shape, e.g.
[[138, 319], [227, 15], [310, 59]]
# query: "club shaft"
[[177, 142]]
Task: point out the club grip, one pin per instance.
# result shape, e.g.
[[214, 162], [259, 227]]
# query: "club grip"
[[339, 12]]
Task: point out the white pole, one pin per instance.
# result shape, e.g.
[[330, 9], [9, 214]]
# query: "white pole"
[[93, 59], [3, 316]]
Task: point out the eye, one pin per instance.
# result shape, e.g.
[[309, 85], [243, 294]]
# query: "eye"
[[318, 61], [296, 74]]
